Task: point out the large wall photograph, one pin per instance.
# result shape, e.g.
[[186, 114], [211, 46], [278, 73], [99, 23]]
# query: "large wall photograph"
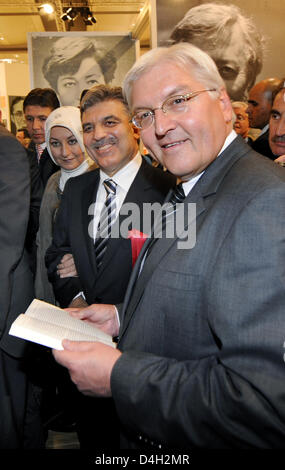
[[72, 62], [244, 55]]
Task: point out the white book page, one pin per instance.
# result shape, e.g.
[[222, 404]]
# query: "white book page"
[[48, 325]]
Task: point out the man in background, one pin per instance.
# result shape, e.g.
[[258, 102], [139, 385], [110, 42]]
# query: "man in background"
[[277, 124], [38, 104], [241, 124], [259, 106]]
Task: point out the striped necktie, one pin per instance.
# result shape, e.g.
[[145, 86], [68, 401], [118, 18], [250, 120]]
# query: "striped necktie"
[[169, 208], [39, 151], [107, 218]]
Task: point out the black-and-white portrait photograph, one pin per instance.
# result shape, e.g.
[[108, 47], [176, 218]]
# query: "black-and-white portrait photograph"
[[17, 118], [244, 37], [73, 62]]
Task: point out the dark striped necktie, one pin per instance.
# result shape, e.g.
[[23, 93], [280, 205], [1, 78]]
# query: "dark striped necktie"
[[107, 218], [168, 209]]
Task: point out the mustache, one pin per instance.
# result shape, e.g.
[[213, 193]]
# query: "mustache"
[[278, 138], [104, 141]]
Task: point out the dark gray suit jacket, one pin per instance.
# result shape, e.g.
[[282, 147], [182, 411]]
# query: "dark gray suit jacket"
[[16, 284], [203, 329]]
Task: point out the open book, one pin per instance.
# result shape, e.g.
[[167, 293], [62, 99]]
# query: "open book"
[[48, 325]]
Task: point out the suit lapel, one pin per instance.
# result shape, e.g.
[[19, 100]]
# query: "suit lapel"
[[87, 216], [207, 186]]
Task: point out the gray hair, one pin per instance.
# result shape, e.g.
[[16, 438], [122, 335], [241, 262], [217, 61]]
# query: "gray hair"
[[210, 26], [185, 55], [239, 104]]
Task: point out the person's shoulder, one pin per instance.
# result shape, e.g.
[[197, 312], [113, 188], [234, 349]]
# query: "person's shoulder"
[[82, 181], [257, 172], [157, 174]]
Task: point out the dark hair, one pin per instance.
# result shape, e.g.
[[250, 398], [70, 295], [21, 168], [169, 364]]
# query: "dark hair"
[[99, 93], [44, 97], [25, 130], [67, 54], [83, 93]]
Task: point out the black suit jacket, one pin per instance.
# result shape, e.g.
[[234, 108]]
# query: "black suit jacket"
[[16, 284], [71, 235], [261, 145], [46, 165]]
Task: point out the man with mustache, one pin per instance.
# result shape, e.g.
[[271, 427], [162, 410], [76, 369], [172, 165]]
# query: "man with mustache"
[[277, 125], [111, 141]]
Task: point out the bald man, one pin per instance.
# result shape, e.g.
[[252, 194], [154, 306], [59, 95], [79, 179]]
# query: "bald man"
[[259, 106]]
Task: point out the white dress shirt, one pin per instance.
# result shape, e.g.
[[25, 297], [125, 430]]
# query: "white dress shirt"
[[123, 178]]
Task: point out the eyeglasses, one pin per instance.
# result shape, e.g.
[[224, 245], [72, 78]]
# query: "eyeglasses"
[[174, 105]]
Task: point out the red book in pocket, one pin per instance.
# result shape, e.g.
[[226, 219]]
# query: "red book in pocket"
[[137, 240]]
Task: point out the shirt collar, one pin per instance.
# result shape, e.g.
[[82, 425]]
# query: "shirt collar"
[[265, 129], [188, 185], [125, 176]]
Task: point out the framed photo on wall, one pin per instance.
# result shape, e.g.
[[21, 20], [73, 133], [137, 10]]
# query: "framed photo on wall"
[[17, 118], [75, 61]]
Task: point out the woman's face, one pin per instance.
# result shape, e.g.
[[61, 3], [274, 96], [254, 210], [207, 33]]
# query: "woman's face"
[[65, 148], [69, 87]]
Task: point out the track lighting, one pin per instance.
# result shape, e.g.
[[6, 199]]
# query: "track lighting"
[[87, 16], [71, 13]]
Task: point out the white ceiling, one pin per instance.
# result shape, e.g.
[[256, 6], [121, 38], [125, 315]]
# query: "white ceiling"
[[17, 18]]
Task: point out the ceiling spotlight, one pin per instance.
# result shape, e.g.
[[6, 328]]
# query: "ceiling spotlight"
[[69, 15], [87, 16]]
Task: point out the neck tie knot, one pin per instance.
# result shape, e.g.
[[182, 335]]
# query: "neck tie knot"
[[178, 194], [39, 150], [110, 186]]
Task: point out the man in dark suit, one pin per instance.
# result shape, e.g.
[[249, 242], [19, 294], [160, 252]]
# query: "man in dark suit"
[[200, 351], [16, 293], [259, 106], [112, 142], [38, 104]]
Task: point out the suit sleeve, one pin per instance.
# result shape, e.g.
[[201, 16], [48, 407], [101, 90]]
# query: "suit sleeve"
[[14, 213], [67, 288], [235, 397]]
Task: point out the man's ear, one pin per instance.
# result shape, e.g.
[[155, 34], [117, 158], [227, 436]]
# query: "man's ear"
[[226, 105], [136, 132]]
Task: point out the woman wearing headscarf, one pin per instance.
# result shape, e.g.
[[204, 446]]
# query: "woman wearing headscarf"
[[64, 140]]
